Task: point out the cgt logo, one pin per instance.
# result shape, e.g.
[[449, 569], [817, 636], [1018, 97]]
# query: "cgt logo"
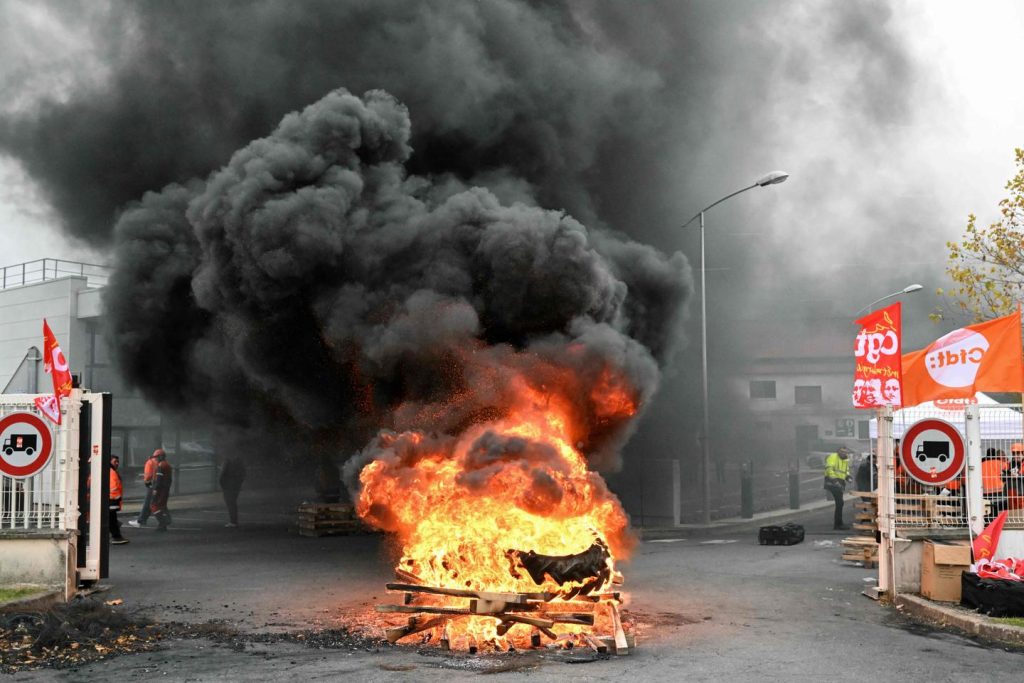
[[954, 360], [872, 345]]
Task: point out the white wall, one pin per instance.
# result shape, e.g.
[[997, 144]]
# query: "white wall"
[[22, 310], [35, 560]]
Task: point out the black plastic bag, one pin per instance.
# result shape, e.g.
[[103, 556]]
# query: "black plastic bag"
[[994, 597]]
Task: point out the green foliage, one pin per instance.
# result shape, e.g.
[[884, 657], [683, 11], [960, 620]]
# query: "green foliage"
[[987, 266], [7, 594]]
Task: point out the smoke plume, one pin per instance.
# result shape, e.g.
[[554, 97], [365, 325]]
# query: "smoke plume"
[[313, 284], [627, 117]]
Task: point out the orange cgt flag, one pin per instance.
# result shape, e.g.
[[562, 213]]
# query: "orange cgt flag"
[[988, 540], [982, 357]]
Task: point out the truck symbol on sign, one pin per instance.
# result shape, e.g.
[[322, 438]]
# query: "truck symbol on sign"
[[21, 442], [932, 450]]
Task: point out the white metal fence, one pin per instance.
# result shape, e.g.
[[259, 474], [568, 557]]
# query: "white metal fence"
[[920, 506], [41, 501]]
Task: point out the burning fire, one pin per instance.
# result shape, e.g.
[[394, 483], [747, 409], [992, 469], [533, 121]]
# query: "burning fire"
[[518, 481]]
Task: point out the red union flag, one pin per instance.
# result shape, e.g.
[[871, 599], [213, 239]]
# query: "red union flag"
[[878, 378], [56, 364]]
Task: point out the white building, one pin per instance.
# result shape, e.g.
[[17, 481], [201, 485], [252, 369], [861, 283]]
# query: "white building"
[[68, 295]]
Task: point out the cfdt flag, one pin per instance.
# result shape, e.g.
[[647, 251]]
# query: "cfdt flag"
[[56, 365], [982, 357], [877, 379]]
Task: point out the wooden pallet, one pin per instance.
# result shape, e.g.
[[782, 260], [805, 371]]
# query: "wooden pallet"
[[535, 611], [861, 549], [328, 519], [926, 510]]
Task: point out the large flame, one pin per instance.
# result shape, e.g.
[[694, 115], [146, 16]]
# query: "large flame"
[[518, 481]]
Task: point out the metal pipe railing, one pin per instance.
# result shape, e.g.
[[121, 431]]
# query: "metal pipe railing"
[[41, 270]]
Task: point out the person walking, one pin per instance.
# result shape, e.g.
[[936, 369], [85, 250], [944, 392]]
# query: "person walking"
[[837, 473], [116, 493], [148, 474], [232, 474], [161, 487]]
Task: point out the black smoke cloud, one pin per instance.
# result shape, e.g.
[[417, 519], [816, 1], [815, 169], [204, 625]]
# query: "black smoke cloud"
[[313, 284], [630, 115], [513, 93]]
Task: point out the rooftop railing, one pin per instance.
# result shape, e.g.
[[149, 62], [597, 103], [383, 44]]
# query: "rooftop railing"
[[41, 270]]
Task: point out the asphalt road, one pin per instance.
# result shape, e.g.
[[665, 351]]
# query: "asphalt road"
[[707, 609]]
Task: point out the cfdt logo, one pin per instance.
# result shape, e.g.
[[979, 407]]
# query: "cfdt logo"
[[872, 345], [954, 360]]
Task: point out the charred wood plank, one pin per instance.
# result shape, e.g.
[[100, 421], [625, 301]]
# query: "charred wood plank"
[[512, 598], [621, 648], [415, 626]]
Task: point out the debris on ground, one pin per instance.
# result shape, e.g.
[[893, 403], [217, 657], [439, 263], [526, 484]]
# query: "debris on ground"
[[71, 634], [87, 630]]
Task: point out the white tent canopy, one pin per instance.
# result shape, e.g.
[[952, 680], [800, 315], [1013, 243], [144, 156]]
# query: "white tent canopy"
[[997, 421]]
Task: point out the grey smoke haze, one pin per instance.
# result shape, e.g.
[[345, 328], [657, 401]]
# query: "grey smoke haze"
[[628, 116]]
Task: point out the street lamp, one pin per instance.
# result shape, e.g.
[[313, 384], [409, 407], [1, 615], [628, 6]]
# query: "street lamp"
[[906, 290], [773, 178]]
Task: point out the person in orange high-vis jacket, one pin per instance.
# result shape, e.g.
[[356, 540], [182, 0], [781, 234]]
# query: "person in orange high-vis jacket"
[[1015, 494], [116, 493], [994, 470], [148, 475]]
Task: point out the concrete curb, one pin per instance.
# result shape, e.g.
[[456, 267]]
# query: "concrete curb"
[[734, 524], [970, 623], [37, 602]]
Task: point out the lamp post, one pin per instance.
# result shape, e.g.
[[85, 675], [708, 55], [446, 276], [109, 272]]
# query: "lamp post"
[[906, 290], [773, 178]]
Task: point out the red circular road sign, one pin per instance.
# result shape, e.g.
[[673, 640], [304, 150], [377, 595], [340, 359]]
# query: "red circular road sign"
[[25, 445], [932, 452]]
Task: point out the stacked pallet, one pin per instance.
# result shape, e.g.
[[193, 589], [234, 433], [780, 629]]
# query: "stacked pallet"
[[328, 519], [927, 510], [863, 547], [865, 516]]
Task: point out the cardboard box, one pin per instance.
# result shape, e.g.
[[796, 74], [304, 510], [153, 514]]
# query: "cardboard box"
[[942, 562]]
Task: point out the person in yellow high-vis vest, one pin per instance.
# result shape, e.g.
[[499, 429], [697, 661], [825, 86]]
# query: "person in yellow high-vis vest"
[[837, 473]]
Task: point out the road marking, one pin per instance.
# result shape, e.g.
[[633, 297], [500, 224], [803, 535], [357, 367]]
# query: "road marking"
[[668, 540], [718, 542]]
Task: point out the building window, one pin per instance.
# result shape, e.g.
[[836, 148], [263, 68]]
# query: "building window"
[[863, 429], [807, 395], [762, 388]]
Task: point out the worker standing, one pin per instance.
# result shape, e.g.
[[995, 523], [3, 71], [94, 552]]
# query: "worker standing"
[[837, 473], [232, 475], [148, 474], [995, 469], [161, 488], [116, 493]]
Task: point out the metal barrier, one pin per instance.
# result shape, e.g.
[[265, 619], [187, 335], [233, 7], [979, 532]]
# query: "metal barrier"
[[919, 506], [1002, 478], [40, 501]]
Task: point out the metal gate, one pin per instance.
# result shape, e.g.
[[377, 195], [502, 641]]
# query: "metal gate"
[[42, 501], [54, 487]]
